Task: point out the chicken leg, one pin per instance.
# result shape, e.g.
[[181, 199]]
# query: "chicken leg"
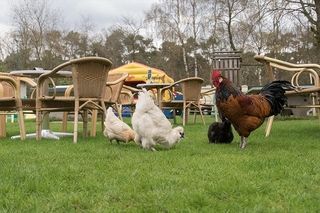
[[148, 144], [243, 142]]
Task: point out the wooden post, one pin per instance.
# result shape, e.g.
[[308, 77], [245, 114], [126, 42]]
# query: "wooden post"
[[2, 118], [271, 78], [2, 126]]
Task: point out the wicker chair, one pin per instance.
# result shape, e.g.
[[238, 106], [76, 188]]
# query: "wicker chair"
[[11, 101], [113, 90], [191, 89], [297, 70], [207, 102], [88, 76], [128, 98], [114, 86]]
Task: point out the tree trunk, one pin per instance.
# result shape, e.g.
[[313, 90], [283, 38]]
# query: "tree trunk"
[[194, 29], [230, 36], [185, 63]]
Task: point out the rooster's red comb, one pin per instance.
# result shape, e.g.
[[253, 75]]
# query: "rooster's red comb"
[[215, 74]]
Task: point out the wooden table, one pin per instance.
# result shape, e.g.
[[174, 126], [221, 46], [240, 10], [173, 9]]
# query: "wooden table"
[[157, 86], [37, 72]]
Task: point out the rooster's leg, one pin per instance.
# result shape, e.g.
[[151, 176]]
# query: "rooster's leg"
[[243, 142]]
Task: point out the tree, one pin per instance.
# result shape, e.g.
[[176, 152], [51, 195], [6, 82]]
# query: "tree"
[[171, 22], [114, 47], [171, 55], [198, 26], [33, 19], [131, 30], [71, 45], [86, 29], [232, 9], [310, 9]]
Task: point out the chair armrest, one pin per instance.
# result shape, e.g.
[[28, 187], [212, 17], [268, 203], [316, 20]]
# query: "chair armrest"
[[40, 88], [31, 83], [122, 78], [126, 95], [132, 89], [43, 77], [265, 59], [297, 69], [168, 89], [28, 81], [171, 86], [313, 74], [208, 92], [68, 91]]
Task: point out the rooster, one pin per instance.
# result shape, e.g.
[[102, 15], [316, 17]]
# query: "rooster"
[[151, 125], [247, 112], [115, 129]]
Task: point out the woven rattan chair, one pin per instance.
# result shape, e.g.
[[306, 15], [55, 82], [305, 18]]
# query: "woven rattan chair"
[[298, 71], [128, 98], [191, 89], [111, 96], [114, 86], [89, 76], [11, 101], [113, 90], [207, 103]]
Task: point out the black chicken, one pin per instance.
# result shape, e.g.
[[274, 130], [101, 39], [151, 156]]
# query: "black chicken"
[[220, 132]]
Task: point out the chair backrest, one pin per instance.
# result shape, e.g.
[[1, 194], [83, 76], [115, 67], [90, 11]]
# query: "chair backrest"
[[191, 88], [114, 86], [89, 76]]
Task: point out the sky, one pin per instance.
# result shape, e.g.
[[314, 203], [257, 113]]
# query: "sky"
[[101, 13]]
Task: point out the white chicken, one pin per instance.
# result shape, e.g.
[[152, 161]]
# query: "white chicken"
[[115, 129], [151, 125]]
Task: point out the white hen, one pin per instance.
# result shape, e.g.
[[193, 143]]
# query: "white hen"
[[151, 125], [115, 129]]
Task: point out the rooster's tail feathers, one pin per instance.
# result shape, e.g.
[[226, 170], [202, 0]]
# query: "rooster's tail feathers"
[[274, 92]]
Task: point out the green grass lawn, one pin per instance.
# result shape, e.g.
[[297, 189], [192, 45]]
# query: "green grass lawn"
[[280, 173]]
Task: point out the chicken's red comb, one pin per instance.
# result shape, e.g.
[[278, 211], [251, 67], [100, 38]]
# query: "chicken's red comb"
[[215, 74]]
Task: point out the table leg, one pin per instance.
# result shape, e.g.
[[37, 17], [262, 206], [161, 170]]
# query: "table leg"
[[158, 97], [2, 126], [45, 121], [2, 118]]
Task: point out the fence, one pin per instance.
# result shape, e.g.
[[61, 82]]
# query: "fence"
[[229, 64]]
